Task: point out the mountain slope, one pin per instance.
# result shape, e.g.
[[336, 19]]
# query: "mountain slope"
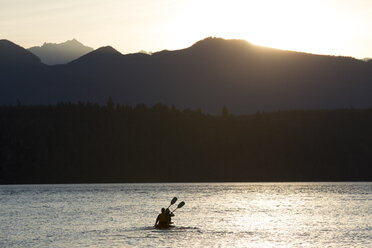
[[62, 53], [210, 74], [12, 54], [102, 56]]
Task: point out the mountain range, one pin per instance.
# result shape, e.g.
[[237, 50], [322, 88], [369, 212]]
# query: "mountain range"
[[210, 74], [62, 53]]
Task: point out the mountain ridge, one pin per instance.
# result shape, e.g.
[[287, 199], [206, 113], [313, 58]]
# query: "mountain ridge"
[[208, 75], [99, 53], [13, 54], [60, 53]]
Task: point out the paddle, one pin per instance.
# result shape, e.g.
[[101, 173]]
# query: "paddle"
[[173, 201], [180, 205]]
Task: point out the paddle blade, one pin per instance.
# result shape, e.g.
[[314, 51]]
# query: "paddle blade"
[[173, 201], [181, 204]]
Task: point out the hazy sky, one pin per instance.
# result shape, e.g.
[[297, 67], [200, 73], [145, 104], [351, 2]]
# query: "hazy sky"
[[340, 27]]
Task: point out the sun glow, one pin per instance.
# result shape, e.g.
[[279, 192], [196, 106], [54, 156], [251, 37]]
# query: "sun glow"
[[315, 27], [339, 27]]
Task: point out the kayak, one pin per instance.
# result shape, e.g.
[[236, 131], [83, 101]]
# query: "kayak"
[[164, 226]]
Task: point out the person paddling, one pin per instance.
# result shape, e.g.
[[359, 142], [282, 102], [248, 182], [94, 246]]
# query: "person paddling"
[[162, 219], [169, 216]]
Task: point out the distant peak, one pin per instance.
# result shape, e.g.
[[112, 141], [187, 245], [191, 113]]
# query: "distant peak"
[[211, 39], [13, 54], [213, 45], [7, 42], [215, 42], [71, 43], [102, 53], [208, 40], [74, 41], [61, 53], [106, 50]]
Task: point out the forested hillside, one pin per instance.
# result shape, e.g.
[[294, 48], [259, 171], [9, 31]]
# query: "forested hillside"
[[86, 142]]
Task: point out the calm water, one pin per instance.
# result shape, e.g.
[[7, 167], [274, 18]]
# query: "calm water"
[[215, 215]]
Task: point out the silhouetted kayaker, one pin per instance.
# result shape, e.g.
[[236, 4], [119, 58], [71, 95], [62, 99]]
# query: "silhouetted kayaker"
[[162, 219], [169, 216]]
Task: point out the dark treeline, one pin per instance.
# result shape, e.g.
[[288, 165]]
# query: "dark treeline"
[[84, 142]]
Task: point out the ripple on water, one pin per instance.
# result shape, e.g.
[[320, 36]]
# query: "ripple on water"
[[225, 215]]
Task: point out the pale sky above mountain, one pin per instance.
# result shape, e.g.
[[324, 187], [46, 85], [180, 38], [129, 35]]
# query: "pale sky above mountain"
[[337, 27]]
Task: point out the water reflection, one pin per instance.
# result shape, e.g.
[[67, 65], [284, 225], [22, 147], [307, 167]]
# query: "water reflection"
[[238, 215]]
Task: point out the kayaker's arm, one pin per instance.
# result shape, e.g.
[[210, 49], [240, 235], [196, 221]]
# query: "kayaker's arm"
[[157, 220]]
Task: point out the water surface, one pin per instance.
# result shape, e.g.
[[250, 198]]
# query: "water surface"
[[215, 215]]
